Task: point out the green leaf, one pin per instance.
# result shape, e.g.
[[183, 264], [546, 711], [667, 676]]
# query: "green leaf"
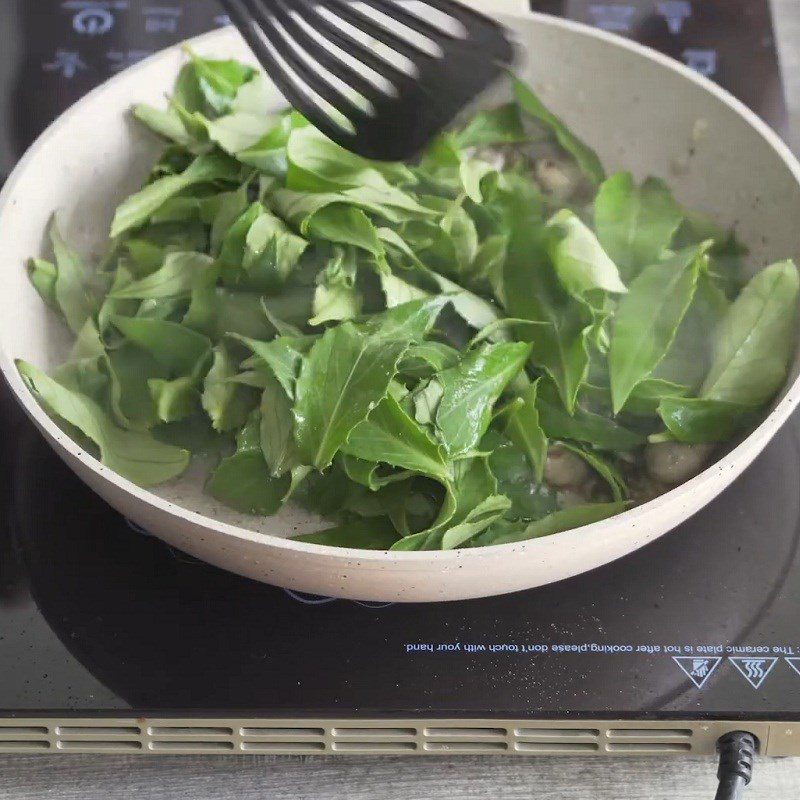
[[426, 402], [459, 226], [397, 291], [175, 279], [299, 208], [176, 348], [635, 224], [138, 208], [471, 505], [220, 80], [604, 468], [346, 374], [525, 432], [689, 358], [530, 499], [331, 218], [410, 321], [317, 164], [447, 163], [43, 275], [647, 320], [473, 309], [266, 231], [756, 339], [259, 252], [502, 125], [277, 430], [227, 209], [370, 474], [166, 123], [268, 155], [86, 368], [174, 400], [255, 97], [71, 288], [471, 389], [489, 263], [281, 356], [234, 241], [374, 534], [336, 297], [227, 404], [583, 426], [424, 360], [134, 455], [476, 311], [235, 133], [243, 482], [695, 421], [565, 520], [644, 399], [130, 368], [390, 436], [476, 521], [584, 156], [533, 292], [580, 262]]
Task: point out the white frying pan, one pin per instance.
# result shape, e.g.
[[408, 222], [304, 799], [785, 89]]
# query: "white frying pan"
[[641, 111]]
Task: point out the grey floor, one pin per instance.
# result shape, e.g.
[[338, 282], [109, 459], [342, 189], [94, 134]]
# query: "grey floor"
[[88, 777]]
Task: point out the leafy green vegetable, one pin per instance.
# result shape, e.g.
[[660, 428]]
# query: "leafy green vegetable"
[[533, 292], [220, 80], [65, 285], [635, 224], [138, 208], [689, 358], [367, 535], [390, 436], [227, 404], [471, 389], [243, 481], [175, 347], [336, 296], [525, 431], [647, 320], [583, 425], [604, 467], [559, 521], [471, 505], [755, 340], [502, 125], [175, 279], [694, 420], [398, 347], [580, 262], [134, 455], [347, 373], [277, 430], [584, 156]]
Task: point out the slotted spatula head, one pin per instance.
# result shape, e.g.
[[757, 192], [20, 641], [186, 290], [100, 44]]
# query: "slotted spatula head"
[[380, 77]]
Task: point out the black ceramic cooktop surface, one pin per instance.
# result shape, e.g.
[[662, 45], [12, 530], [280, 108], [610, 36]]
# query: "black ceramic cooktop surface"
[[98, 617]]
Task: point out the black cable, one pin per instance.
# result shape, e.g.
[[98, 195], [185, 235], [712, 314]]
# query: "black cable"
[[737, 752]]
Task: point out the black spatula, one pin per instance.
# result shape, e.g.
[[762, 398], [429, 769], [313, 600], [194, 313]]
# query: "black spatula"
[[380, 77]]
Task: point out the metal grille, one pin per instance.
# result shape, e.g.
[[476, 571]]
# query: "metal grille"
[[366, 737]]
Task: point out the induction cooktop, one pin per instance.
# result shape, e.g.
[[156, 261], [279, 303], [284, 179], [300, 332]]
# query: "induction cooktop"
[[110, 641]]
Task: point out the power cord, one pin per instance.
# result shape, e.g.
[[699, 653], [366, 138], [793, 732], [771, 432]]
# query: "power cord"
[[737, 752]]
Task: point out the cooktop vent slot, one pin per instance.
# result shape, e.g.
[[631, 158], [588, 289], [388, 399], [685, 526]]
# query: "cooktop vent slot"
[[465, 746]]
